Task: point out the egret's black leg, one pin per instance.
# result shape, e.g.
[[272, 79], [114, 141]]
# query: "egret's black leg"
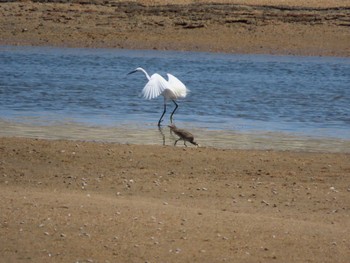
[[171, 116], [161, 117]]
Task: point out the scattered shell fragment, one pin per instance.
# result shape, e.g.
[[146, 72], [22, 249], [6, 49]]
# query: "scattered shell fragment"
[[264, 202]]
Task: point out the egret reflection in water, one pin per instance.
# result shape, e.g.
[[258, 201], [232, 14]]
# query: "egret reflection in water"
[[161, 131]]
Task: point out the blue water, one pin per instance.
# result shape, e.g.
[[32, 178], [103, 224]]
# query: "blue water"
[[295, 96]]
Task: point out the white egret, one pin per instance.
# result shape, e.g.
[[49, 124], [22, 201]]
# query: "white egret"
[[171, 89], [183, 134]]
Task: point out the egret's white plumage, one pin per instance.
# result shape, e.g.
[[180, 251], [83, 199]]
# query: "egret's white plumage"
[[171, 89]]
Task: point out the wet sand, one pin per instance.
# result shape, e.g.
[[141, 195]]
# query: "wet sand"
[[75, 201], [145, 134], [258, 27]]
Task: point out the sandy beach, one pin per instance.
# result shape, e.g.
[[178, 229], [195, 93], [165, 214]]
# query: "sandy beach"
[[74, 201], [81, 201]]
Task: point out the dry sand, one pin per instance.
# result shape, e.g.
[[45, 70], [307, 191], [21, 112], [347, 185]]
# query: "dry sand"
[[266, 26], [73, 201]]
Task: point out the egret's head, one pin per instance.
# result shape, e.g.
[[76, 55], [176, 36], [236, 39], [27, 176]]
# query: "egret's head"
[[131, 72], [135, 70]]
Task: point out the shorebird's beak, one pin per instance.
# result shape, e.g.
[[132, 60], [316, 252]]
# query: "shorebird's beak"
[[131, 72]]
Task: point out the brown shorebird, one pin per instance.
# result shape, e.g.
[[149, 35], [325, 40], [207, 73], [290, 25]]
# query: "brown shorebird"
[[184, 135]]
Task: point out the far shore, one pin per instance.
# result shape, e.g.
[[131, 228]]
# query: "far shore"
[[307, 28]]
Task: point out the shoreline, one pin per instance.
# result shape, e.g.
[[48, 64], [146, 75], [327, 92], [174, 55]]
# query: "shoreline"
[[216, 27], [147, 133], [224, 139]]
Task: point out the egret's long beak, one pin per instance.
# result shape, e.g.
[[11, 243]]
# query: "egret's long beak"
[[131, 72]]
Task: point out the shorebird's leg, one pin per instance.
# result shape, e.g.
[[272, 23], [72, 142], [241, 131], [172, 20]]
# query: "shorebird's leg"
[[171, 116], [161, 117], [185, 143], [176, 141]]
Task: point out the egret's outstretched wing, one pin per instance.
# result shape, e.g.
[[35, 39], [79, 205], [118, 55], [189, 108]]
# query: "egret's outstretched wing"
[[177, 87], [155, 86]]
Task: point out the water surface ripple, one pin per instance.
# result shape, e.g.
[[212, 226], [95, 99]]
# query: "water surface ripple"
[[236, 101]]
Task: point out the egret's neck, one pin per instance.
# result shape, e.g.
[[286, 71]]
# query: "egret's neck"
[[144, 71]]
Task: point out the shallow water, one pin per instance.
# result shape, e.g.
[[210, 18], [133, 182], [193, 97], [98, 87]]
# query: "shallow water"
[[236, 101]]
